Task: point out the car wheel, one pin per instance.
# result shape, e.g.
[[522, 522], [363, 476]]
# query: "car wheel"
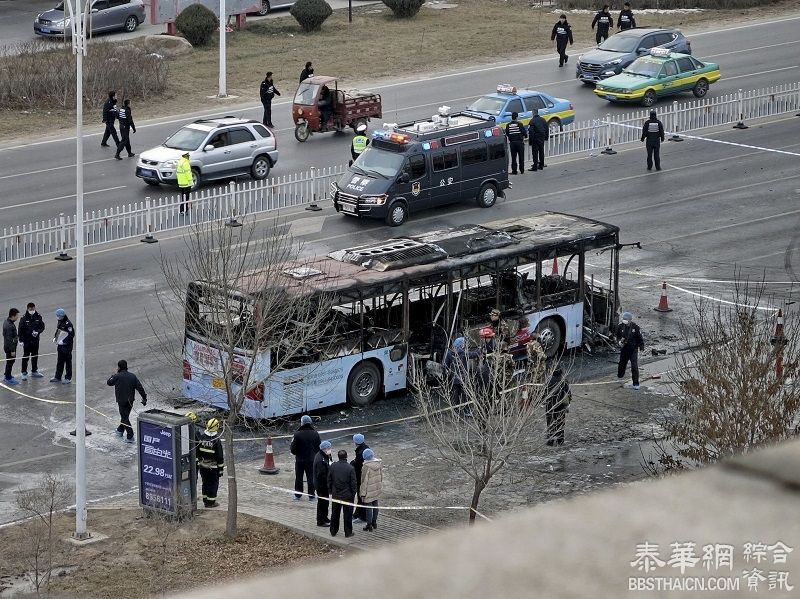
[[649, 98], [487, 195], [398, 214], [131, 23], [153, 182], [301, 132], [260, 168], [555, 125], [700, 88], [363, 384], [196, 179], [264, 8], [550, 336]]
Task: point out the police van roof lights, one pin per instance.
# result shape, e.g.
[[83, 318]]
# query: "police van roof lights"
[[660, 52], [506, 88], [399, 138]]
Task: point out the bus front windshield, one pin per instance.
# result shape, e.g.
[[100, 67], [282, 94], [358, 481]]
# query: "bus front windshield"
[[305, 94], [645, 68], [374, 161]]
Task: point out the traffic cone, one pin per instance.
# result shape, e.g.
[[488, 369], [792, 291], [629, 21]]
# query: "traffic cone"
[[555, 266], [269, 460], [663, 304]]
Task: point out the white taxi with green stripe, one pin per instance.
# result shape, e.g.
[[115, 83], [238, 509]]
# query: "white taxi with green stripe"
[[662, 73]]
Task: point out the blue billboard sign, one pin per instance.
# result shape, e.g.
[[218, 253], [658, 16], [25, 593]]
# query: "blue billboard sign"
[[157, 467]]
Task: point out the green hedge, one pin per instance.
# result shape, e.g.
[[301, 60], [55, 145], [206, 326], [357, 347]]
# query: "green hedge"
[[311, 14], [197, 24], [404, 9]]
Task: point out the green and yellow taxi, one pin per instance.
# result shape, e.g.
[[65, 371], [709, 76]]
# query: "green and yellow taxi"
[[661, 73]]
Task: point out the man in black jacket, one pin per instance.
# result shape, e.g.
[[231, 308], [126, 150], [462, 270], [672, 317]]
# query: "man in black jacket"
[[10, 342], [305, 445], [109, 114], [125, 385], [268, 91], [307, 72], [604, 22], [31, 326], [342, 486], [516, 134], [631, 343], [556, 406], [63, 338], [538, 134], [126, 125], [358, 463], [653, 135], [626, 19], [562, 34], [322, 462]]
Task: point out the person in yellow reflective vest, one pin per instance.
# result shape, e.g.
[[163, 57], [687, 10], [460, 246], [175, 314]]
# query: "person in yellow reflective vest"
[[360, 142], [185, 180]]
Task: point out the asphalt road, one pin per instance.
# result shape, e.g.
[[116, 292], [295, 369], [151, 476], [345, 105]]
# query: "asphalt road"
[[38, 177]]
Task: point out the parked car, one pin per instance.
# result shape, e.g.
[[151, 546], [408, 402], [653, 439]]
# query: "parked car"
[[267, 6], [104, 15], [218, 149], [556, 111], [620, 50]]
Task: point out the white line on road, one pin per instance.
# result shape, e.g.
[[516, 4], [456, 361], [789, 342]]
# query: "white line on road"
[[86, 193], [53, 168], [750, 49], [41, 457], [761, 73]]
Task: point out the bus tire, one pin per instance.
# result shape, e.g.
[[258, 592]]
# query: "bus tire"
[[487, 195], [397, 215], [550, 336], [363, 384]]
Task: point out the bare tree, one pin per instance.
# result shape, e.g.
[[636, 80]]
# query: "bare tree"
[[251, 293], [733, 396], [481, 407], [42, 503]]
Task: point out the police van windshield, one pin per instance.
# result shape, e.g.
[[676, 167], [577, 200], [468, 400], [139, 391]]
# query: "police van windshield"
[[620, 43], [186, 139], [305, 94], [645, 68], [487, 105], [378, 162]]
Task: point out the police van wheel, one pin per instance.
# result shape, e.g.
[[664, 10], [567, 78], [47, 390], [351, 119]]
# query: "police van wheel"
[[363, 384], [555, 125], [398, 214], [260, 168], [153, 182], [131, 23], [550, 336], [196, 178], [700, 88], [649, 98], [264, 10], [487, 195], [301, 132]]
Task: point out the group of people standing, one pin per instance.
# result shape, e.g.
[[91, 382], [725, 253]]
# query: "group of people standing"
[[351, 488], [122, 114], [537, 133], [26, 330], [603, 21]]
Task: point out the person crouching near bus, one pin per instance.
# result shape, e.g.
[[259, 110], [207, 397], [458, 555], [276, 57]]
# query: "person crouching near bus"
[[210, 462], [371, 488]]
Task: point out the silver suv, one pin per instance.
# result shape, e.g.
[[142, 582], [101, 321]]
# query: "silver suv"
[[218, 149], [105, 15]]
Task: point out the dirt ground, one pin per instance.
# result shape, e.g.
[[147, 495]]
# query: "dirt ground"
[[135, 547], [438, 38]]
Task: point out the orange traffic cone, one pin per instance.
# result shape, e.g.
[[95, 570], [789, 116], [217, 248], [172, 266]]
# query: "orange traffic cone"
[[663, 304], [555, 266], [269, 460]]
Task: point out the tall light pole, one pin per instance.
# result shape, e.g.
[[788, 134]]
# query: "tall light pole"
[[223, 25]]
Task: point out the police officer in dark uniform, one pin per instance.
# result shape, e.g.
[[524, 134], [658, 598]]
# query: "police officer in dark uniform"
[[557, 403], [653, 135], [562, 34], [210, 462], [31, 325], [64, 337], [626, 19], [538, 133], [308, 71], [267, 92], [516, 140], [126, 125], [631, 342], [604, 22], [109, 114]]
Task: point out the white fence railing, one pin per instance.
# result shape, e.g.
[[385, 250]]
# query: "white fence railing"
[[145, 219]]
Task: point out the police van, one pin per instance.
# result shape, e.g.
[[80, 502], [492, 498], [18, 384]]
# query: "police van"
[[424, 164]]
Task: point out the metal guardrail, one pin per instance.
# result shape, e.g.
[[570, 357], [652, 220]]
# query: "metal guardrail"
[[145, 219]]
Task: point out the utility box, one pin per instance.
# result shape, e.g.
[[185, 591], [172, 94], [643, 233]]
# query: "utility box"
[[167, 469]]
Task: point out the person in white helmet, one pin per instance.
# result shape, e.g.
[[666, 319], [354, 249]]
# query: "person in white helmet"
[[360, 141]]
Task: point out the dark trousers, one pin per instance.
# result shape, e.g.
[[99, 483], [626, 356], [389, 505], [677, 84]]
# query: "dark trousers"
[[111, 131], [537, 155], [561, 47], [30, 349], [336, 511], [371, 513], [125, 419], [601, 35], [210, 484], [654, 154], [301, 468], [517, 153], [9, 364], [185, 191], [556, 417], [125, 139], [629, 354], [64, 362], [267, 120], [322, 507]]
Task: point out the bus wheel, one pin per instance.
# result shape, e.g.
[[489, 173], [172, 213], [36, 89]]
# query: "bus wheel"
[[363, 384], [487, 195], [550, 336], [398, 213]]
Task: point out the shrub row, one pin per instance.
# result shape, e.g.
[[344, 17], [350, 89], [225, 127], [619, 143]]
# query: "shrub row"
[[662, 4]]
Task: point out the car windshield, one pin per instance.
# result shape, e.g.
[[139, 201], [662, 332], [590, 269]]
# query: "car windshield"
[[620, 43], [380, 162], [645, 68], [305, 94], [186, 139], [488, 105], [60, 7]]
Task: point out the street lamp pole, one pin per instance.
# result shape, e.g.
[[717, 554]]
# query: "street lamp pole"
[[223, 25]]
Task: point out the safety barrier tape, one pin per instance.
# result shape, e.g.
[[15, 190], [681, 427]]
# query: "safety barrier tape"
[[98, 348]]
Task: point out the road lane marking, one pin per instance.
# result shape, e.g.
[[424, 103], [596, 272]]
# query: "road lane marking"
[[53, 168], [750, 49], [36, 459], [86, 193], [760, 73]]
